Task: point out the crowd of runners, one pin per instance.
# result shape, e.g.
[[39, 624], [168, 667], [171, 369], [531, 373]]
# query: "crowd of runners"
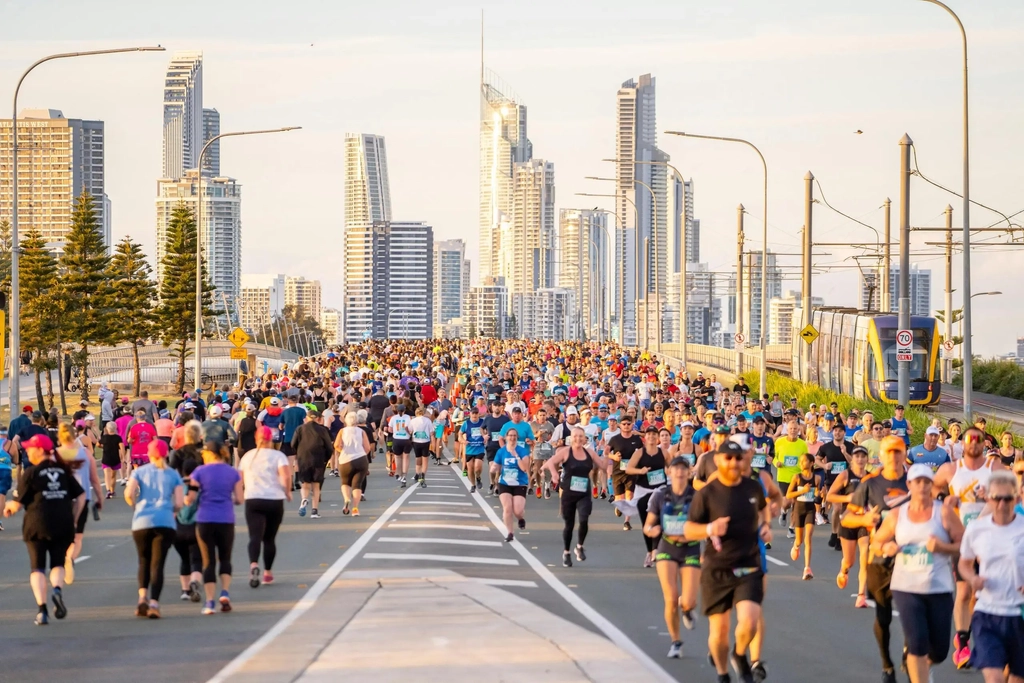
[[713, 475]]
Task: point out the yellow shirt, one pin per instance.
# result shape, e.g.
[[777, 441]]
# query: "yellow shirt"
[[787, 458]]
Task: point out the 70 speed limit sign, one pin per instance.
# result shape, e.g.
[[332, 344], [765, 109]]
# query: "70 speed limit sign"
[[904, 345]]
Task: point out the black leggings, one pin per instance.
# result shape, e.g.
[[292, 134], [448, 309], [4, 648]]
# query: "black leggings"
[[152, 546], [353, 473], [188, 550], [641, 506], [219, 537], [574, 504], [263, 517], [878, 588]]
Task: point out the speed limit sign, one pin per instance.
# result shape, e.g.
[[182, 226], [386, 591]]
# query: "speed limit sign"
[[905, 338], [904, 345]]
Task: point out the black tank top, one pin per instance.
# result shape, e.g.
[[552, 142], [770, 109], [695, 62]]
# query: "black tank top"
[[655, 477], [852, 482], [574, 469]]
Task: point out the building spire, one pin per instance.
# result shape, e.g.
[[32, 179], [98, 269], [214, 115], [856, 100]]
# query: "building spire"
[[481, 50]]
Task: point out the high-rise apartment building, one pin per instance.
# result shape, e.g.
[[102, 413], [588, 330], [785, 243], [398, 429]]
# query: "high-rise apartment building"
[[450, 280], [526, 252], [58, 158], [211, 129], [261, 300], [503, 144], [389, 281], [584, 252], [548, 313], [304, 295], [780, 316], [486, 309], [221, 234], [367, 191], [330, 323], [752, 290], [183, 114], [920, 290], [683, 223]]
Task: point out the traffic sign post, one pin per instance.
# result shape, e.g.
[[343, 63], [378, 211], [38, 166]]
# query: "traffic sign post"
[[809, 333], [739, 339], [239, 354], [904, 346], [239, 338]]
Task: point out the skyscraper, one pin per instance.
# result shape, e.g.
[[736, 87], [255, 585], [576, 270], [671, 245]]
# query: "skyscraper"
[[584, 247], [487, 309], [58, 158], [367, 191], [183, 114], [526, 251], [304, 295], [261, 300], [211, 129], [450, 280], [920, 290], [752, 290], [780, 316], [681, 194], [503, 144], [221, 233]]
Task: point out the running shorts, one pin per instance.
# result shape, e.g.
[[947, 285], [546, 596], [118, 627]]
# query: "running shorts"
[[401, 446], [420, 450], [853, 534], [56, 548], [80, 523], [491, 454], [721, 588], [474, 456], [997, 642], [5, 482], [513, 490], [803, 514], [353, 472], [622, 482], [310, 473], [685, 555], [287, 449]]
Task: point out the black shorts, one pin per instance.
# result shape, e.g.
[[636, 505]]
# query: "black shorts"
[[956, 570], [853, 534], [721, 589], [491, 454], [474, 456], [420, 450], [622, 482], [513, 490], [310, 473], [287, 449], [685, 555], [803, 514], [401, 446], [56, 548], [80, 523]]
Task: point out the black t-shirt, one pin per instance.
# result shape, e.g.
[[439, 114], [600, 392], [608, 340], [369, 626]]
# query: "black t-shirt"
[[627, 446], [111, 448], [378, 404], [247, 434], [705, 466], [876, 490], [835, 459], [493, 426], [742, 505], [48, 492]]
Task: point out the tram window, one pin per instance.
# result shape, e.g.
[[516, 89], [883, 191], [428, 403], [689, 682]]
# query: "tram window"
[[919, 366]]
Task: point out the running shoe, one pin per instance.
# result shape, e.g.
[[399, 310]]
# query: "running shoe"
[[268, 577], [833, 541], [423, 482], [790, 533], [345, 510], [142, 609], [479, 484], [225, 601], [961, 653], [566, 559], [547, 491], [95, 513], [185, 596], [819, 520], [862, 601], [618, 512], [581, 554], [315, 514], [69, 572], [110, 495], [759, 670], [404, 483], [193, 591], [254, 577], [767, 546], [841, 579], [42, 618], [648, 562], [538, 492], [472, 489], [522, 524], [154, 610], [59, 610], [490, 490], [465, 472], [302, 508], [1, 526], [888, 676], [675, 650], [595, 492], [903, 661], [208, 608], [688, 620], [794, 553], [509, 538], [724, 678], [782, 518], [742, 667], [626, 526], [604, 495], [355, 512], [808, 574]]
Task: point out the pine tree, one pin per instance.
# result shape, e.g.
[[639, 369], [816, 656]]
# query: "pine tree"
[[5, 256], [175, 314], [38, 288], [132, 299], [85, 284]]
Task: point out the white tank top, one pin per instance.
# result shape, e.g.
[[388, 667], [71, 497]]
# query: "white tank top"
[[351, 444], [971, 487], [917, 570]]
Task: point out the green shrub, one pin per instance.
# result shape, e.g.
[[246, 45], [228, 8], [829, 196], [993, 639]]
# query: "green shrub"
[[997, 377]]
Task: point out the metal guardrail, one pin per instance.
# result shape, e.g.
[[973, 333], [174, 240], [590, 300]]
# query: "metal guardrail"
[[725, 359]]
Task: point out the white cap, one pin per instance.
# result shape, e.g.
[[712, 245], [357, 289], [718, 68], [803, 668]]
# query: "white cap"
[[933, 430], [920, 470], [571, 410], [743, 440], [215, 410]]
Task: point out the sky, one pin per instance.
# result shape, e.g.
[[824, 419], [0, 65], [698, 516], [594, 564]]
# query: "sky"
[[796, 77]]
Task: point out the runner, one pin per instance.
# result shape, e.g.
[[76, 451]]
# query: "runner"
[[513, 464], [621, 449], [312, 446], [185, 459], [473, 437], [802, 491], [835, 458], [789, 449], [678, 560], [422, 427], [353, 447], [71, 450], [112, 458], [542, 451], [400, 431], [266, 485], [648, 466], [853, 542], [215, 489]]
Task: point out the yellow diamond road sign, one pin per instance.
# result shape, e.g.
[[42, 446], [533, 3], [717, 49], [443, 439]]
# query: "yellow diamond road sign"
[[238, 337], [809, 334]]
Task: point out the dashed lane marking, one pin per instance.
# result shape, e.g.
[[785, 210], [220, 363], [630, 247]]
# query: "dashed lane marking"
[[440, 541], [428, 525], [416, 557]]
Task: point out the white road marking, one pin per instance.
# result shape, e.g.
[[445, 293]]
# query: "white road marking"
[[774, 561], [439, 502], [428, 525], [439, 558], [612, 632], [443, 486], [310, 598], [871, 604], [450, 495], [440, 541], [449, 514], [511, 583], [83, 558]]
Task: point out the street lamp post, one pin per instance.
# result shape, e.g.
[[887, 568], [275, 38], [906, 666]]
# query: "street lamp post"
[[199, 240], [967, 369], [15, 388], [764, 252]]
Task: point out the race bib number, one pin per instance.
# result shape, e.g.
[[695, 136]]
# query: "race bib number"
[[475, 432], [806, 497], [968, 517], [691, 458], [544, 450], [623, 464], [790, 461], [656, 477], [510, 475], [838, 467], [579, 484], [915, 558], [759, 462], [672, 525]]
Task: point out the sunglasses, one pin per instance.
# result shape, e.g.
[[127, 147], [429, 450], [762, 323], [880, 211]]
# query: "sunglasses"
[[972, 438], [732, 456], [1002, 499]]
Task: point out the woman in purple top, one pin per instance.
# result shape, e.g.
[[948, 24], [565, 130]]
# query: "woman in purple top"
[[219, 488]]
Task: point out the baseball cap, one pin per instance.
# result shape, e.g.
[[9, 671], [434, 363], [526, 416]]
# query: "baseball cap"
[[741, 418], [27, 409], [743, 440], [688, 424], [933, 430], [679, 461], [729, 448], [900, 407], [160, 446], [215, 410], [516, 409], [602, 408], [759, 419], [571, 410], [722, 429], [250, 408], [39, 441], [920, 470], [275, 401]]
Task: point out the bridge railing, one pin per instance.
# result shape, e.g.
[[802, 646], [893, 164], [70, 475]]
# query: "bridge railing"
[[725, 359]]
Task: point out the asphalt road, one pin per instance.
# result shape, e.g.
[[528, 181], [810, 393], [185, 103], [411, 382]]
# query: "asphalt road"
[[814, 632]]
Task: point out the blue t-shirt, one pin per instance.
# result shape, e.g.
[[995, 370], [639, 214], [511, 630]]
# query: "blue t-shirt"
[[474, 436], [292, 418], [899, 428], [601, 424], [216, 483], [850, 431], [5, 457], [511, 474], [524, 430], [934, 459], [154, 507], [701, 434]]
